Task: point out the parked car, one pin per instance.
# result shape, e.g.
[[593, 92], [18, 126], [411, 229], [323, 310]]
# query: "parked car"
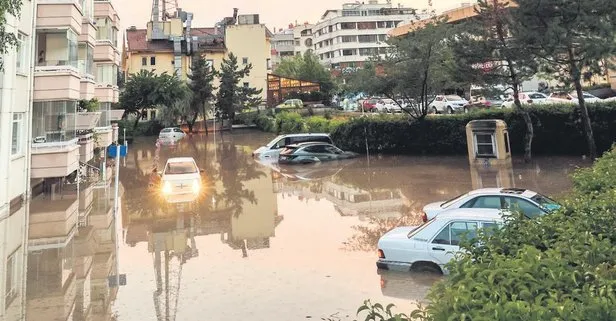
[[272, 149], [482, 102], [171, 133], [531, 203], [573, 98], [291, 103], [369, 105], [448, 104], [527, 98], [181, 177], [430, 246], [610, 99], [385, 105], [307, 153]]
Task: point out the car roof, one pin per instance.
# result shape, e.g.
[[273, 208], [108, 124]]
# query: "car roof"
[[298, 145], [180, 159], [305, 134], [496, 190], [471, 213]]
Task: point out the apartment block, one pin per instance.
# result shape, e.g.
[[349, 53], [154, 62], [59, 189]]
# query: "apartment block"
[[346, 37], [296, 40]]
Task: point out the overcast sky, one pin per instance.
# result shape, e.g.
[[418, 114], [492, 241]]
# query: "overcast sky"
[[273, 13]]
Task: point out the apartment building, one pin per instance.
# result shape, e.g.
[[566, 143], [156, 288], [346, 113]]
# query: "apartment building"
[[349, 36], [172, 49], [296, 40]]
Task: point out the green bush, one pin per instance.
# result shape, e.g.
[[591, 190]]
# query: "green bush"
[[144, 128], [557, 267], [558, 131], [289, 122], [245, 118]]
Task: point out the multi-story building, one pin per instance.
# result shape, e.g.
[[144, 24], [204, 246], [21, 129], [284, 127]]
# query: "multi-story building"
[[349, 36], [296, 40], [171, 49]]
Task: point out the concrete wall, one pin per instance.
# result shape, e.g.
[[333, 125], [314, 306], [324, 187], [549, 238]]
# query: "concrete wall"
[[163, 63]]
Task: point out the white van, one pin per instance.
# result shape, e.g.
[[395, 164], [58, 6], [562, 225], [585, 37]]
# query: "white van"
[[273, 148]]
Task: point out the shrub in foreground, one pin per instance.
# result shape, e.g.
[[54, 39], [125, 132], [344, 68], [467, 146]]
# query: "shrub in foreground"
[[557, 267]]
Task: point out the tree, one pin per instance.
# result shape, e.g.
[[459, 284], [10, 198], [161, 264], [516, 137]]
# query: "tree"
[[231, 97], [417, 66], [8, 39], [307, 67], [488, 53], [145, 90], [202, 88], [569, 38]]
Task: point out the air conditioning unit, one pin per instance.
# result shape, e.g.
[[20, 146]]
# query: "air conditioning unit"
[[248, 19]]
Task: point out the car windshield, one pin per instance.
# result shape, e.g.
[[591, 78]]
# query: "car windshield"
[[186, 167], [419, 228], [451, 201], [546, 202], [166, 130], [454, 97], [274, 141]]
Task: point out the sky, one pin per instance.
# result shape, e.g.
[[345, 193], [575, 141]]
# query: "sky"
[[275, 14]]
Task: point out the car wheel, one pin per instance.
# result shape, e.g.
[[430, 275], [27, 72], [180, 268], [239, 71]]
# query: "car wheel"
[[426, 267], [434, 110], [449, 110]]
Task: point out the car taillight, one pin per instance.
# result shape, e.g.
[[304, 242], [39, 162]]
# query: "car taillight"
[[424, 217], [381, 254], [488, 104]]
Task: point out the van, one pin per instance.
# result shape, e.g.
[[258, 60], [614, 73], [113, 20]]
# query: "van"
[[273, 148]]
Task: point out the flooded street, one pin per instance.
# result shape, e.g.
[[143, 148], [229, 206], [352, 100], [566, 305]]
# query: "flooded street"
[[261, 241]]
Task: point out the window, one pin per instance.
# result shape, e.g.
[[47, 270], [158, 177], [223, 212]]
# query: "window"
[[181, 168], [489, 227], [484, 144], [484, 202], [382, 37], [368, 51], [17, 134], [348, 25], [209, 63], [537, 96], [246, 85], [506, 135], [380, 24], [144, 61], [527, 208], [297, 42], [11, 278], [153, 61], [22, 53], [367, 38], [455, 232], [245, 60], [349, 38], [107, 74], [348, 52], [366, 25]]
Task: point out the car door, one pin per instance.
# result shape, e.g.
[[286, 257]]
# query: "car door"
[[446, 243], [529, 209]]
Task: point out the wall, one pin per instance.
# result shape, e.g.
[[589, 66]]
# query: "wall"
[[163, 63], [250, 41]]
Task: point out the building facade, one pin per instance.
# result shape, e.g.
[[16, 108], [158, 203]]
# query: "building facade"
[[296, 40], [345, 38], [241, 35]]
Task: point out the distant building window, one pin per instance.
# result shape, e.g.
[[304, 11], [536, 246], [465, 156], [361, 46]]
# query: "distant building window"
[[245, 60], [268, 63], [11, 290], [484, 145], [246, 85], [367, 38], [22, 58], [153, 61], [297, 43], [349, 38], [17, 134], [209, 63], [348, 52], [348, 25], [144, 61]]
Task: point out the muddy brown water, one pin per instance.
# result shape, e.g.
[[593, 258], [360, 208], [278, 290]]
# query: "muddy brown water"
[[267, 243]]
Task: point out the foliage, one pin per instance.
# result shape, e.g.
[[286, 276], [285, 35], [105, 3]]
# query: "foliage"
[[491, 39], [8, 40], [202, 88], [288, 122], [246, 118], [144, 128], [307, 67], [89, 105], [556, 267], [307, 96], [569, 38], [230, 97]]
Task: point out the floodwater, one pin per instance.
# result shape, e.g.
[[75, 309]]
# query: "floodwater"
[[261, 242]]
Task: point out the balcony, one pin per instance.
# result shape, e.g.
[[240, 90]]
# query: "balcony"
[[88, 32], [88, 88], [53, 14], [104, 9], [104, 51], [56, 75], [53, 222], [86, 148]]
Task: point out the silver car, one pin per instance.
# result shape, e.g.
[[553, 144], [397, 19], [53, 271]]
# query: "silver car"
[[307, 153]]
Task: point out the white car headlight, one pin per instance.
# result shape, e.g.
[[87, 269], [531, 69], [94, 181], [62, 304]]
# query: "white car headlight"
[[196, 186], [167, 188]]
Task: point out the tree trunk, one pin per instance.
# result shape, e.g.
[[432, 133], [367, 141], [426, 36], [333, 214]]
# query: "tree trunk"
[[137, 121], [205, 120], [530, 131], [191, 123], [576, 76]]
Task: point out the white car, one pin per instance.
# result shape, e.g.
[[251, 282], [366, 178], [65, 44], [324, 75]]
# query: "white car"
[[180, 180], [430, 246], [271, 150], [385, 105], [532, 204], [448, 104], [527, 98], [171, 133], [573, 99]]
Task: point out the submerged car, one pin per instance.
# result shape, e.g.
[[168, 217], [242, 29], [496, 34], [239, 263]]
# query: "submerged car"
[[428, 247], [180, 180], [171, 133], [531, 204], [273, 148], [307, 153]]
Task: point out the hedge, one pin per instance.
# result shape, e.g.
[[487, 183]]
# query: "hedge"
[[557, 267], [558, 131], [289, 122], [144, 128]]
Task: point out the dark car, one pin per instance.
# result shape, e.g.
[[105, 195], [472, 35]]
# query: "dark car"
[[307, 153]]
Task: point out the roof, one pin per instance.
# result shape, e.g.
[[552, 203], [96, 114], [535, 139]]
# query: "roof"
[[471, 213], [136, 40], [298, 145], [452, 16]]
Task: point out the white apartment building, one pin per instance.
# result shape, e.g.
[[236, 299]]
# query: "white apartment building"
[[15, 112], [296, 40], [349, 36]]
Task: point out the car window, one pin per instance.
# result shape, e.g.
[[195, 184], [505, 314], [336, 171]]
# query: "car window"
[[546, 202], [443, 237], [453, 200], [536, 96], [280, 143], [463, 230], [420, 228], [333, 150], [177, 130], [176, 168], [489, 227], [166, 130], [439, 98], [527, 208], [484, 202]]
